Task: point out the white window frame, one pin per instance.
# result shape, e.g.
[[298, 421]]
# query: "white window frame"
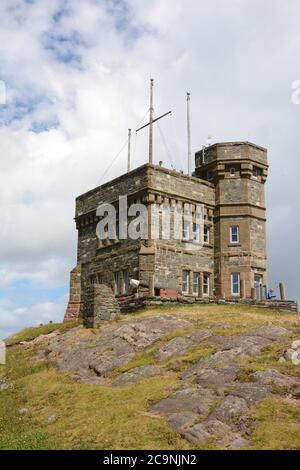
[[196, 276], [255, 172], [186, 228], [205, 284], [206, 234], [236, 282], [196, 232], [237, 233], [187, 282]]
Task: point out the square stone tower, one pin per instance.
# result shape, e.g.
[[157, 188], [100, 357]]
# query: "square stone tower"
[[238, 171]]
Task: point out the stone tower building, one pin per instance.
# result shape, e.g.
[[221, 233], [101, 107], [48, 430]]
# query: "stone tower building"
[[228, 183]]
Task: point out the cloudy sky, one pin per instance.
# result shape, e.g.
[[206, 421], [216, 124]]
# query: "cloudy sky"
[[76, 76]]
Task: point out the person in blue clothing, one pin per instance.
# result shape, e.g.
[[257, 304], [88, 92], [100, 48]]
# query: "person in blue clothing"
[[270, 294]]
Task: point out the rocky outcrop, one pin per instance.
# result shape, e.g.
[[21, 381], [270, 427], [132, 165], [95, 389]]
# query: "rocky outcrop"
[[213, 399]]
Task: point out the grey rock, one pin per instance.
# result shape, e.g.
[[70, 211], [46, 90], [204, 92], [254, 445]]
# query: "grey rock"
[[251, 392], [196, 434], [217, 431], [251, 345], [199, 335], [174, 347], [288, 354], [193, 400], [105, 365], [296, 344], [84, 352], [182, 421], [274, 378], [296, 358], [137, 374], [216, 378], [271, 332], [230, 408], [219, 360]]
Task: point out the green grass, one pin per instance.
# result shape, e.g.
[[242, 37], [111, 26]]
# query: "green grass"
[[278, 425], [89, 417], [103, 417], [29, 334]]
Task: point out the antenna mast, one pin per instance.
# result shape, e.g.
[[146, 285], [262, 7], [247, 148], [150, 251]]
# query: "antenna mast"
[[129, 143], [151, 123], [188, 97]]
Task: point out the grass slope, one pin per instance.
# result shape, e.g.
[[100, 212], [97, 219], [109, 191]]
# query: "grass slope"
[[45, 410]]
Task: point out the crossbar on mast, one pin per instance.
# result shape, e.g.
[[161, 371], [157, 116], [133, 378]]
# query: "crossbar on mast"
[[151, 122]]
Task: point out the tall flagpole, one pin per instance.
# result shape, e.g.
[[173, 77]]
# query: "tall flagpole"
[[151, 123], [188, 97]]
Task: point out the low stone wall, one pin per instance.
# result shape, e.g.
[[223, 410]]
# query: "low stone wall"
[[131, 304]]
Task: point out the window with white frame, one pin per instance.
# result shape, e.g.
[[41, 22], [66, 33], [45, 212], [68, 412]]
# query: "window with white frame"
[[196, 232], [125, 282], [100, 278], [232, 171], [117, 283], [206, 234], [186, 230], [235, 283], [185, 282], [205, 286], [234, 234], [196, 281], [255, 172]]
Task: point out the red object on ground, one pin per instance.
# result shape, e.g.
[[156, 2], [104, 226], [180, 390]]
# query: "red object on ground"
[[168, 293]]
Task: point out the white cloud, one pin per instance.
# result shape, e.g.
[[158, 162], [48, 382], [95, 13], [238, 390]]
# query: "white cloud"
[[14, 318]]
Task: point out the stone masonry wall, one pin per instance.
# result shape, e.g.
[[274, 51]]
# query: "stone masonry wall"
[[100, 305]]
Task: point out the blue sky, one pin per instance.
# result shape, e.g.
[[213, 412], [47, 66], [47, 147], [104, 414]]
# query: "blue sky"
[[76, 77]]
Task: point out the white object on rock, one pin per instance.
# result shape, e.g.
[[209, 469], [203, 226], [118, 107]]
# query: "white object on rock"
[[296, 344], [288, 354], [296, 358]]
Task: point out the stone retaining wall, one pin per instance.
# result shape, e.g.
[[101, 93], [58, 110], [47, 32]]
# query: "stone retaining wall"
[[132, 304]]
